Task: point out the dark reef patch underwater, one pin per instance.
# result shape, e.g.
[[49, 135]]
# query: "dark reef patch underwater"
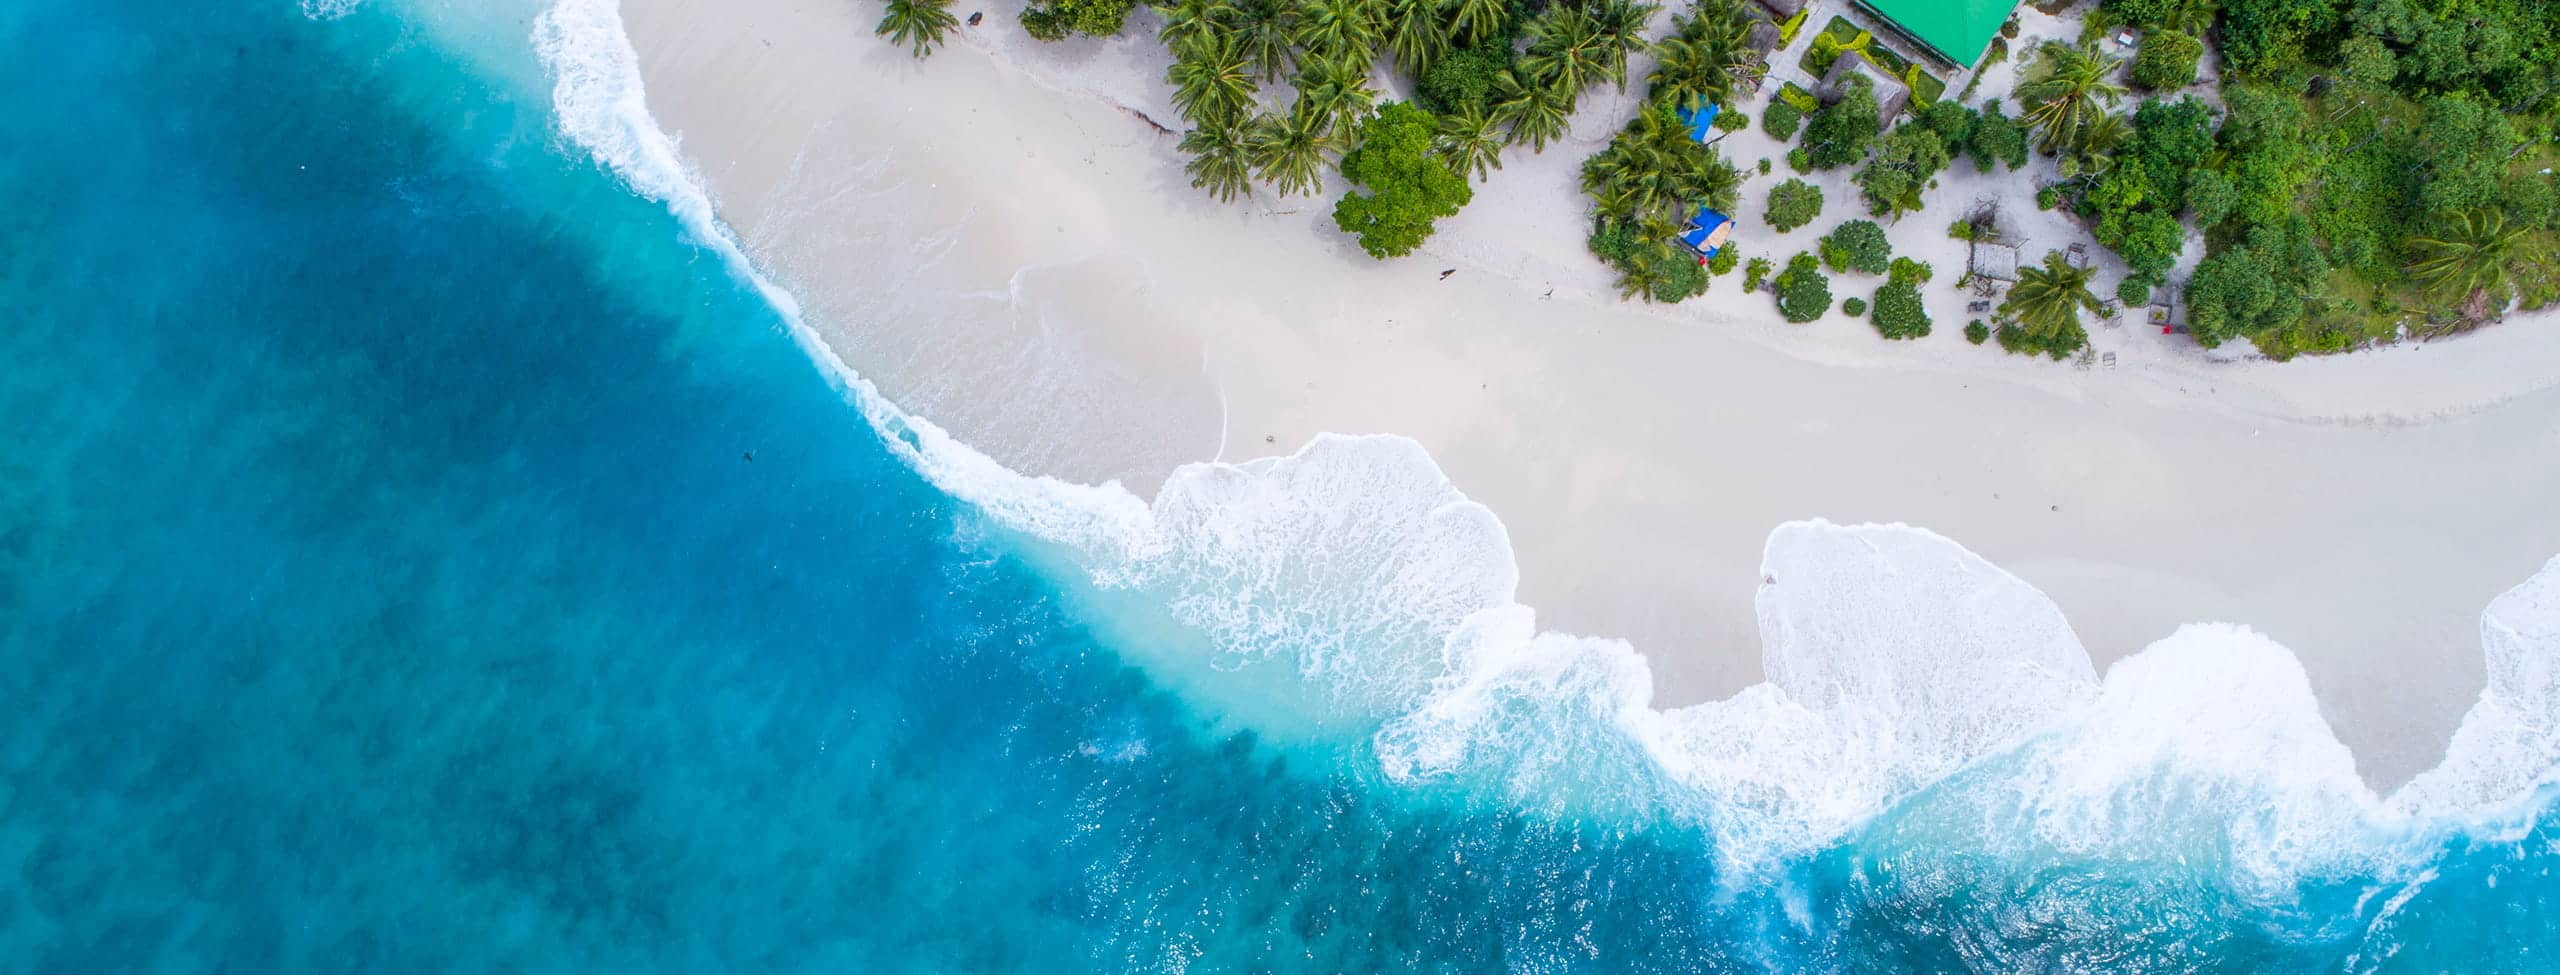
[[418, 552]]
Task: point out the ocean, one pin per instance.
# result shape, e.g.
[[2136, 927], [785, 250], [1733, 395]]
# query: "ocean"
[[427, 545]]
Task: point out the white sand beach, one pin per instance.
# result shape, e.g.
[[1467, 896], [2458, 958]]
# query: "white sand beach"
[[1001, 240]]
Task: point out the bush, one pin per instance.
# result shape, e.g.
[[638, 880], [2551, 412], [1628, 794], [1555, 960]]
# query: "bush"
[[1462, 78], [1726, 257], [1854, 307], [1731, 121], [1053, 20], [1911, 272], [1857, 245], [2048, 198], [1677, 276], [1793, 204], [1799, 99], [1961, 230], [1976, 332], [1615, 243], [2167, 61], [1899, 313], [2059, 345], [1803, 293], [1798, 161], [1780, 120], [1764, 165], [1754, 273], [2134, 292]]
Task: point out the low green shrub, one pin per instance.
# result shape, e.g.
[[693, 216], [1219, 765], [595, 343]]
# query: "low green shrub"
[[2134, 292], [1780, 120], [1803, 293], [1792, 204], [1899, 312], [1857, 245], [1976, 332]]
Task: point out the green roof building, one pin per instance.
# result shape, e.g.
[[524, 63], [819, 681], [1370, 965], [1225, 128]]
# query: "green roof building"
[[1957, 30]]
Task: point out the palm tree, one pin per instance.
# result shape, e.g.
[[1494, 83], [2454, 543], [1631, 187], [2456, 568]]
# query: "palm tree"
[[1471, 21], [1288, 151], [2047, 301], [1535, 112], [1337, 91], [1639, 277], [918, 24], [1416, 35], [1265, 30], [1471, 140], [1188, 20], [1339, 30], [1620, 25], [1695, 66], [1210, 80], [2065, 92], [1567, 50], [2479, 257], [1218, 161]]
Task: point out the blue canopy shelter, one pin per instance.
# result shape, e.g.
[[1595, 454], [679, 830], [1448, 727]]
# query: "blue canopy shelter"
[[1707, 233], [1701, 121]]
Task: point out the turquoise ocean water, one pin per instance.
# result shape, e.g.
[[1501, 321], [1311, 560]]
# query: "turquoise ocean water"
[[419, 551]]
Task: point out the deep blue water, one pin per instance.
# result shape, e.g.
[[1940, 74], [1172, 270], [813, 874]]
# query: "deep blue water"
[[418, 554]]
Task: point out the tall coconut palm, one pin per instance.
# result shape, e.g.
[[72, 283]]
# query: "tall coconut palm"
[[2065, 92], [1210, 80], [1696, 66], [1266, 31], [1534, 110], [1416, 34], [1471, 140], [2478, 257], [917, 24], [1288, 151], [1471, 21], [2047, 301], [1337, 91], [1620, 25], [1218, 162], [1567, 50], [1339, 30], [1186, 21]]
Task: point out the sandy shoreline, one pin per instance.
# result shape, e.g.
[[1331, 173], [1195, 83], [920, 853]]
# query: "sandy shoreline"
[[996, 241]]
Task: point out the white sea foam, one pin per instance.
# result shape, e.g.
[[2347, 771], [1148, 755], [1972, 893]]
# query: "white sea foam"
[[1896, 659]]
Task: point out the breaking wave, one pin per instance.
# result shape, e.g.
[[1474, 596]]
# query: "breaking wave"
[[1349, 594]]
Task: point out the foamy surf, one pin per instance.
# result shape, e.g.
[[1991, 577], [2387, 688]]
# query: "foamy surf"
[[1353, 583]]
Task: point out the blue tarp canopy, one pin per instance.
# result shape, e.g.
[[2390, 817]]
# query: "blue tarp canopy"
[[1707, 232], [1701, 122]]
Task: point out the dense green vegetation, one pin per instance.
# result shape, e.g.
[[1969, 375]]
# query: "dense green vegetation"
[[1052, 20], [1654, 176], [2380, 165], [1838, 133], [1409, 186]]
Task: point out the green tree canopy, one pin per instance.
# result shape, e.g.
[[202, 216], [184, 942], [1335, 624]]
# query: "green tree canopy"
[[1410, 187], [1793, 204], [1840, 132]]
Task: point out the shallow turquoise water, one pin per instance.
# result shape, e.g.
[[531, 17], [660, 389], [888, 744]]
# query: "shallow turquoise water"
[[417, 554]]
